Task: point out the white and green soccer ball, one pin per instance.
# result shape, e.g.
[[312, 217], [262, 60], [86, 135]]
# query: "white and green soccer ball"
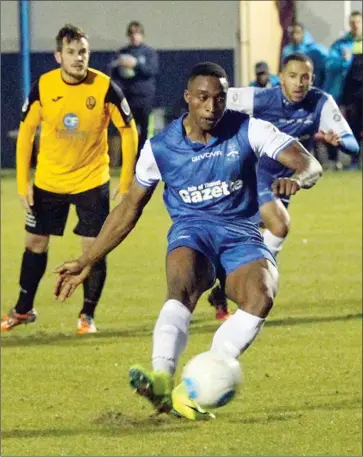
[[212, 379]]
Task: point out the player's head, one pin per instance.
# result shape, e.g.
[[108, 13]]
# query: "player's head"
[[296, 76], [206, 94], [262, 72], [355, 24], [72, 51], [135, 33], [297, 33]]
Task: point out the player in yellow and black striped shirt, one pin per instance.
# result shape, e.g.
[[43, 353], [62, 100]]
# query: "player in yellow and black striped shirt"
[[73, 106]]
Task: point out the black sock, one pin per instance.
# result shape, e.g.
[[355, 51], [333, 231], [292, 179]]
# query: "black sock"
[[92, 287], [222, 283], [32, 270]]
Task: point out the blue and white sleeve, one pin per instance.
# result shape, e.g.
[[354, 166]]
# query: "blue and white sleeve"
[[147, 170], [265, 138], [331, 118], [241, 99]]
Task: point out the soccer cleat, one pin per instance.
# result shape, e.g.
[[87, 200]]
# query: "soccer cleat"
[[86, 324], [218, 300], [13, 319], [156, 386], [184, 406]]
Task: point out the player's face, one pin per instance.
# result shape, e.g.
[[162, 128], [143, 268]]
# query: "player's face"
[[74, 58], [296, 80], [355, 24], [297, 34], [206, 98]]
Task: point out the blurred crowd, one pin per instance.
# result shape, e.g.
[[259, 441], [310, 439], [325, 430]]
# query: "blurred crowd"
[[338, 71]]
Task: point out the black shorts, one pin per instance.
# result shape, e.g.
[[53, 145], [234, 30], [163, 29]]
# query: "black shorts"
[[50, 211]]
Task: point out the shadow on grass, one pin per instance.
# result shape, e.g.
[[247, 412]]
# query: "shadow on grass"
[[115, 423], [42, 338]]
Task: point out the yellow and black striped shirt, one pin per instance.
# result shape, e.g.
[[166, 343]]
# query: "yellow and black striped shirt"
[[74, 118]]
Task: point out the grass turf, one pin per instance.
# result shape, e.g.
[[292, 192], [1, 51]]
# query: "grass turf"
[[64, 394]]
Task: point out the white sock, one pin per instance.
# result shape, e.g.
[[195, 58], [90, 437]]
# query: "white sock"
[[237, 333], [170, 335], [274, 243]]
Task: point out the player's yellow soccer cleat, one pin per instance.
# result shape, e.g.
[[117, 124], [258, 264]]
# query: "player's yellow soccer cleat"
[[86, 325], [156, 386], [13, 319], [184, 406]]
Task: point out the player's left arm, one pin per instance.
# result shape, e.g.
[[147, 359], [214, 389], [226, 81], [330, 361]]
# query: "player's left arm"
[[267, 139], [335, 130], [123, 120]]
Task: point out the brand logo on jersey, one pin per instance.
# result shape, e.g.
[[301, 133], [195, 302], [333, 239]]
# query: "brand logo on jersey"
[[206, 155], [25, 106], [235, 97], [56, 99], [90, 102], [70, 121], [209, 191], [125, 107]]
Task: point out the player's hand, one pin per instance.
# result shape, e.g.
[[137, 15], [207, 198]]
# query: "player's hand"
[[329, 137], [285, 186], [70, 275], [127, 61], [27, 201], [347, 53]]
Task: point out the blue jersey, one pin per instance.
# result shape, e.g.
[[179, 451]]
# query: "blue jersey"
[[211, 181], [317, 111]]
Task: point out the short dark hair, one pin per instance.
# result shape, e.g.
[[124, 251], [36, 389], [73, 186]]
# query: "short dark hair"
[[297, 56], [70, 32], [207, 69], [135, 24], [355, 13]]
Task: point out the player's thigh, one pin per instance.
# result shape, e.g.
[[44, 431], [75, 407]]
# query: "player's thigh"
[[275, 217], [189, 273], [92, 208], [49, 214], [253, 286]]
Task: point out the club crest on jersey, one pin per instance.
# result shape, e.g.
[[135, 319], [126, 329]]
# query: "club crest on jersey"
[[70, 121], [90, 102], [125, 107], [233, 153]]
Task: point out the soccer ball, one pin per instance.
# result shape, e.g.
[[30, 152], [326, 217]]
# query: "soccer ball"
[[212, 379]]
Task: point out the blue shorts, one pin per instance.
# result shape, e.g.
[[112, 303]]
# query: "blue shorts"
[[267, 171], [226, 244]]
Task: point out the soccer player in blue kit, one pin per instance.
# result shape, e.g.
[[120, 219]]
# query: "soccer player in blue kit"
[[302, 111], [207, 160]]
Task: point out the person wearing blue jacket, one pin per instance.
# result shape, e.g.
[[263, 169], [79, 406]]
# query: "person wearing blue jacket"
[[264, 77], [135, 69], [303, 42], [337, 67], [340, 57]]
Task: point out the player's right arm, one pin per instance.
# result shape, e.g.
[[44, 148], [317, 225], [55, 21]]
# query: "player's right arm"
[[241, 99], [30, 119], [119, 223]]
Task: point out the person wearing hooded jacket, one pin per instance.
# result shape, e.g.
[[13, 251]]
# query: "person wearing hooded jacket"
[[303, 42]]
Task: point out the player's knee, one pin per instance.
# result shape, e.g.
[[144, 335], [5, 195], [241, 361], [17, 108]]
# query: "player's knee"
[[258, 301], [36, 243], [280, 227]]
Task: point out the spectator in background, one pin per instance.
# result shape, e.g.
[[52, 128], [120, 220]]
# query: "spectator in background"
[[263, 76], [135, 69], [303, 43], [338, 65], [352, 98]]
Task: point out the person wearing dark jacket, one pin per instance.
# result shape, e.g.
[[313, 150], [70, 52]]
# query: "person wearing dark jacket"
[[135, 70]]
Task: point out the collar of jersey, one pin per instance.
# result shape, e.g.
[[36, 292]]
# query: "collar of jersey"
[[194, 144]]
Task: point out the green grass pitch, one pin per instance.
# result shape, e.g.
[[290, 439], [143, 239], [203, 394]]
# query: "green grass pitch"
[[64, 394]]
